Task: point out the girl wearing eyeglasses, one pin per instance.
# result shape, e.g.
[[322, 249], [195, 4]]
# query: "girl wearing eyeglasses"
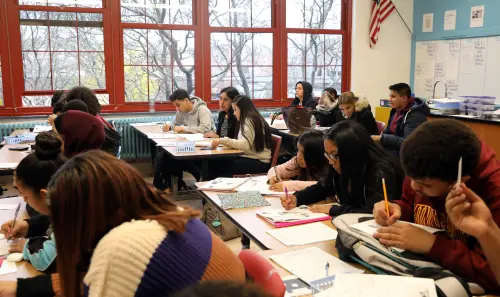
[[358, 165]]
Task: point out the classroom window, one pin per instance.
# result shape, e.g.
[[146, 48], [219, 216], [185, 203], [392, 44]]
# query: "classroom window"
[[316, 58], [64, 3], [241, 13], [61, 50], [244, 61], [178, 12], [315, 14]]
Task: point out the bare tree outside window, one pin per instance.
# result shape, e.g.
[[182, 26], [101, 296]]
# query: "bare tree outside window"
[[243, 60], [61, 50], [157, 61], [316, 58]]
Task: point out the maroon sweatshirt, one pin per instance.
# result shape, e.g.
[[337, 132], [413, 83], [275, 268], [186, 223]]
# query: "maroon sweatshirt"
[[457, 251]]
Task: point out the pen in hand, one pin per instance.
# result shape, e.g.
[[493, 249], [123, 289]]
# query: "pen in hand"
[[15, 219]]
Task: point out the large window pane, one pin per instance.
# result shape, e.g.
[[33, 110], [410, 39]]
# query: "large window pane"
[[62, 50], [62, 3], [244, 61], [157, 62], [177, 12], [316, 58], [240, 13], [313, 14]]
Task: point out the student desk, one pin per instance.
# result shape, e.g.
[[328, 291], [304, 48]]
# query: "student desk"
[[8, 156], [24, 268], [199, 154], [253, 226]]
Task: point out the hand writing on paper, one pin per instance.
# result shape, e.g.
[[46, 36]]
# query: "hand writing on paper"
[[8, 288], [277, 187], [380, 213], [179, 129], [407, 237], [166, 128], [468, 212], [289, 202], [215, 143], [321, 208], [273, 180], [20, 229], [17, 246], [210, 134]]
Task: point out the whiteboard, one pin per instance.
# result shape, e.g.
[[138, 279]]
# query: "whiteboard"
[[470, 67]]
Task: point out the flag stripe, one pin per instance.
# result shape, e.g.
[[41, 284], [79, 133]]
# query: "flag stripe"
[[381, 10]]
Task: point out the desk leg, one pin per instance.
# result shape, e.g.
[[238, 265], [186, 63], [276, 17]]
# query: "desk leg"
[[204, 169], [245, 242]]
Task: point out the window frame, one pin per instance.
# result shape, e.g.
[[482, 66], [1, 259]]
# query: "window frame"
[[13, 76]]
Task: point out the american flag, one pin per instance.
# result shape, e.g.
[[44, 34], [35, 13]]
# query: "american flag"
[[381, 9]]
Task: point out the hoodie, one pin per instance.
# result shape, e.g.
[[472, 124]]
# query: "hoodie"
[[363, 115], [198, 120], [410, 120], [308, 100], [455, 250]]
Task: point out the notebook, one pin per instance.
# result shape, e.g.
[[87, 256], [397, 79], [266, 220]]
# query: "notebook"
[[223, 184], [259, 183], [242, 200], [374, 285], [161, 136], [314, 266], [303, 234], [298, 216], [40, 128]]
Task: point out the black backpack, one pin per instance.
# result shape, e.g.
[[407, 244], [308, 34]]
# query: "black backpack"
[[111, 142]]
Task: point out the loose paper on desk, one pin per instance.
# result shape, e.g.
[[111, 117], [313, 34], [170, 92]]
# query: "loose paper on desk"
[[370, 227], [145, 124], [161, 136], [8, 206], [373, 285], [166, 142], [259, 183], [192, 137], [8, 267], [309, 264], [8, 165], [304, 234], [40, 128]]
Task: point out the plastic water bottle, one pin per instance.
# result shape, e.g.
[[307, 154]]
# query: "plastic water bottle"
[[152, 105]]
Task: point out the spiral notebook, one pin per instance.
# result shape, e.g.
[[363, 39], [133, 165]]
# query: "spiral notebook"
[[297, 216]]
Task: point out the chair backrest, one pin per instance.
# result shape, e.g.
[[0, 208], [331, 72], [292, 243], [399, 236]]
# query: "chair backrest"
[[380, 126], [262, 273], [275, 151]]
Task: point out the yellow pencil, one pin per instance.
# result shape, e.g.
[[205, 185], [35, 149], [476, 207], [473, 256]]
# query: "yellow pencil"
[[385, 198]]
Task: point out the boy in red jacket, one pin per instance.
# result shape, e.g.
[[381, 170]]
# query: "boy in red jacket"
[[430, 157]]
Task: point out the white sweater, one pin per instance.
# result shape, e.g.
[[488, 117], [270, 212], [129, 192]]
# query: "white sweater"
[[246, 144]]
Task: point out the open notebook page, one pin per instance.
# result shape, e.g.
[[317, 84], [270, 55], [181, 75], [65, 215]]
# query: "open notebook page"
[[303, 234]]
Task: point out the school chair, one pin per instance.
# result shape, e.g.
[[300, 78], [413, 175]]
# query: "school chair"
[[380, 126], [275, 150], [262, 273], [120, 131]]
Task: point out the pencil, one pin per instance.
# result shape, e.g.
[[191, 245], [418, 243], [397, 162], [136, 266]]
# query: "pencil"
[[15, 217], [385, 198]]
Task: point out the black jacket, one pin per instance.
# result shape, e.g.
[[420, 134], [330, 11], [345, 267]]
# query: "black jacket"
[[413, 118], [361, 198], [308, 100], [232, 123], [363, 115], [328, 119]]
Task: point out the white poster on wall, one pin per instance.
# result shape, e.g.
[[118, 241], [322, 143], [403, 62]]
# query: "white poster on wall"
[[450, 20], [427, 25], [477, 16]]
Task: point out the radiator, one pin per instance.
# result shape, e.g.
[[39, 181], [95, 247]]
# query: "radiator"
[[134, 145]]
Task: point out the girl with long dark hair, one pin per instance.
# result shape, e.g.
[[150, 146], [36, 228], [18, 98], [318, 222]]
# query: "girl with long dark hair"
[[253, 138], [226, 124], [358, 165], [305, 169]]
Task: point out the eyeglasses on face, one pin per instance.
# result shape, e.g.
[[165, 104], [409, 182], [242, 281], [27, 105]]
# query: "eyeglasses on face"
[[332, 157]]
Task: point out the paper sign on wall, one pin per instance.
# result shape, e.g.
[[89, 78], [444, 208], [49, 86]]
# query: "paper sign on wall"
[[477, 16], [450, 20], [427, 25]]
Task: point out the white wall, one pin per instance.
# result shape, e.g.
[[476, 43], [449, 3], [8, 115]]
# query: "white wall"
[[374, 70]]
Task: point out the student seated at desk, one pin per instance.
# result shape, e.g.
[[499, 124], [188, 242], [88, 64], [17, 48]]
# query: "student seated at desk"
[[254, 139], [141, 243], [406, 115], [304, 95], [430, 157], [328, 111], [76, 105], [308, 166], [57, 103], [355, 178], [357, 109], [193, 116], [226, 124], [32, 177]]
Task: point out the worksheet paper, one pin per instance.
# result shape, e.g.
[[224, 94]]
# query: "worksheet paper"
[[259, 183], [161, 136], [304, 234], [8, 267], [373, 285], [8, 206], [8, 165], [40, 128], [192, 137], [145, 124], [311, 264]]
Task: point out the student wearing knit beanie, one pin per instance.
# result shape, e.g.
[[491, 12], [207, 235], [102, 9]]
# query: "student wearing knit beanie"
[[80, 132], [142, 244]]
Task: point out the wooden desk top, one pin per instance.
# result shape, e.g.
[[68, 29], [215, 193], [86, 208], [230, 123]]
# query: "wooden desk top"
[[8, 156], [199, 153], [24, 268], [253, 226]]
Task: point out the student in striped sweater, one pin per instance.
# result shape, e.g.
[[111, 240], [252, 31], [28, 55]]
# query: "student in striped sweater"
[[141, 243]]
